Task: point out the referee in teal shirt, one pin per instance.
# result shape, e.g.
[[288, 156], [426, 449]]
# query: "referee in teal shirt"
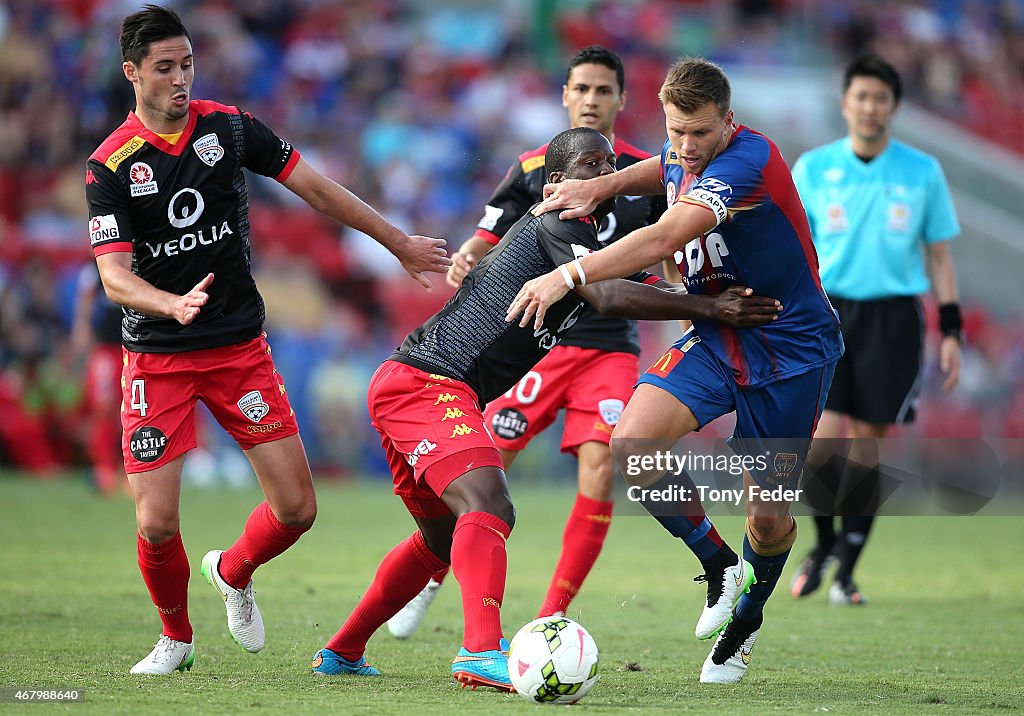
[[881, 218]]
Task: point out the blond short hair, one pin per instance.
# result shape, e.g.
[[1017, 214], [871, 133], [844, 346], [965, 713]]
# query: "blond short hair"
[[692, 82]]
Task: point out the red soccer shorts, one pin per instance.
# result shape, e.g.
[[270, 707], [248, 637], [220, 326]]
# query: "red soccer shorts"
[[238, 383], [432, 432], [592, 385]]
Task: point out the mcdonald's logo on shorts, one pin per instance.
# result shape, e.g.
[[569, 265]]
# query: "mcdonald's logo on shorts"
[[664, 365]]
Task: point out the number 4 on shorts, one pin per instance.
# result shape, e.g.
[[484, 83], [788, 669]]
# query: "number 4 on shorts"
[[139, 397]]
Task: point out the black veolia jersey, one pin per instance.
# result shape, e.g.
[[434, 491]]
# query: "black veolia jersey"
[[469, 339], [182, 210]]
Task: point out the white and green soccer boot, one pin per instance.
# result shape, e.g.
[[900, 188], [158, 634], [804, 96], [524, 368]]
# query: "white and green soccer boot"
[[729, 658], [167, 657], [244, 620], [724, 590]]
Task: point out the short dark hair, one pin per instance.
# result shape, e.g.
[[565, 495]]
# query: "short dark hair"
[[150, 24], [598, 55], [566, 146], [692, 82], [874, 65]]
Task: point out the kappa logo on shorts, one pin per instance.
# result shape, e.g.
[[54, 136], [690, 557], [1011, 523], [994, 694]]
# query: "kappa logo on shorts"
[[611, 410], [435, 378], [446, 398], [462, 429], [453, 414], [509, 423], [253, 407], [147, 444]]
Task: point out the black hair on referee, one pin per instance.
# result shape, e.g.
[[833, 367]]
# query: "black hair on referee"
[[874, 65]]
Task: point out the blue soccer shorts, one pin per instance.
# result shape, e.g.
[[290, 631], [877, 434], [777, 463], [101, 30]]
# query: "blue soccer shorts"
[[774, 423]]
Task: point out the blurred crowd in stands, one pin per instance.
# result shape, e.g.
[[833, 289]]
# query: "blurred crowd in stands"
[[419, 109]]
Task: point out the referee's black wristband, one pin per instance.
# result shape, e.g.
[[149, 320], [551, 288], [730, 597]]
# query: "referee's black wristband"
[[951, 322]]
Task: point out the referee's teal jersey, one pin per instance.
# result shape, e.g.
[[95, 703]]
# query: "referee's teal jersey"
[[869, 220]]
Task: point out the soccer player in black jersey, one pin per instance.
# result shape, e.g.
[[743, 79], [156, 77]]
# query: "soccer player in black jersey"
[[426, 399], [593, 94], [169, 227]]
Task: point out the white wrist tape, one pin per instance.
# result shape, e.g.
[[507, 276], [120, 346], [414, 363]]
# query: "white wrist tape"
[[565, 274], [579, 269]]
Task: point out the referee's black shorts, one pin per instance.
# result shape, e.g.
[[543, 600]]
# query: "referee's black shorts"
[[878, 378]]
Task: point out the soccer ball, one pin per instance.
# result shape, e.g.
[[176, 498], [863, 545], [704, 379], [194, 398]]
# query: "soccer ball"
[[553, 660]]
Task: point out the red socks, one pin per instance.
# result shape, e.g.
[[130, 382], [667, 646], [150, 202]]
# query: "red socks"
[[582, 540], [480, 562], [165, 570], [262, 539], [400, 577]]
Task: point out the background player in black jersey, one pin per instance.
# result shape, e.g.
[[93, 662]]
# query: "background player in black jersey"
[[426, 399], [169, 226], [593, 94]]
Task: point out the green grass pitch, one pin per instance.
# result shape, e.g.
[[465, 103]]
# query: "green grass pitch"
[[942, 633]]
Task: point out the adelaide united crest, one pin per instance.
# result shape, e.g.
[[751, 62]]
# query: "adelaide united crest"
[[253, 406], [208, 149]]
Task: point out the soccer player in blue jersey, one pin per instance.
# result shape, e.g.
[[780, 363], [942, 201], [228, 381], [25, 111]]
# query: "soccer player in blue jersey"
[[880, 212], [734, 217]]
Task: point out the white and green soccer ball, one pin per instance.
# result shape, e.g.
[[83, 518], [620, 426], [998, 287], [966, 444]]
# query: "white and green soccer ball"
[[553, 660]]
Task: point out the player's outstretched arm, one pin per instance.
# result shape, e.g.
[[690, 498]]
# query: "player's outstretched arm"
[[125, 288], [579, 197], [417, 254], [736, 306], [465, 259]]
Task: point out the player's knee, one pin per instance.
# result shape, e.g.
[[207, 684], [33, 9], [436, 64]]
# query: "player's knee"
[[597, 484], [624, 453], [770, 535], [156, 532], [764, 526], [299, 515], [502, 508]]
